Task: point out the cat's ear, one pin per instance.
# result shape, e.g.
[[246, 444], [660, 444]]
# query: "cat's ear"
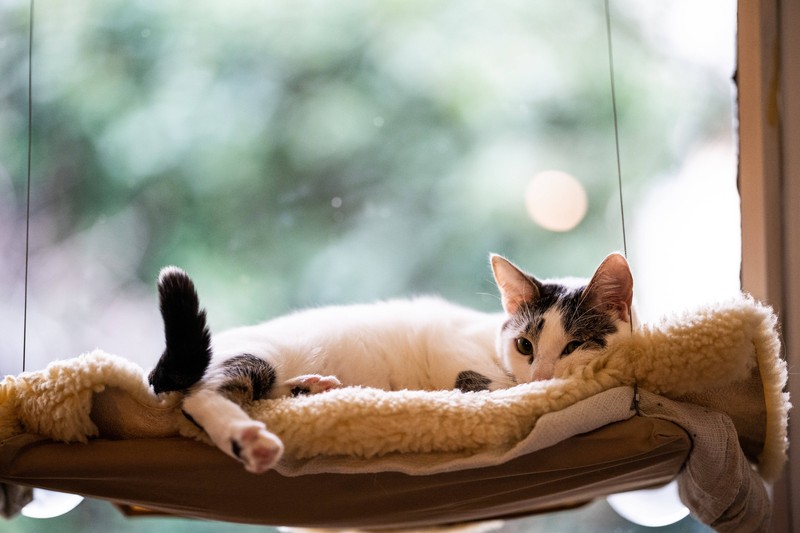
[[611, 287], [516, 287]]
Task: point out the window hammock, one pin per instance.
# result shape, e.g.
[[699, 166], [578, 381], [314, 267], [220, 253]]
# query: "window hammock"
[[699, 396]]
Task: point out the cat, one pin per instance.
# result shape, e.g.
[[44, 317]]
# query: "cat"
[[559, 324], [424, 343]]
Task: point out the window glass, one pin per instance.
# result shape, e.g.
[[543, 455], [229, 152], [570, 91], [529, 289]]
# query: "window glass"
[[302, 153]]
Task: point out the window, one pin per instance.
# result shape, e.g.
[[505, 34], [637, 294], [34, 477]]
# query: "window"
[[316, 152]]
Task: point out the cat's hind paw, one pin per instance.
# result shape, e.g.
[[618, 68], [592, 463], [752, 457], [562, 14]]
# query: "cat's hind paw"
[[312, 384], [256, 447]]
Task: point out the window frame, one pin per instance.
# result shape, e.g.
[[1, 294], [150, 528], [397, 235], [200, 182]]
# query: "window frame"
[[769, 181]]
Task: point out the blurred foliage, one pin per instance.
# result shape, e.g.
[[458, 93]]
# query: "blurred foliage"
[[301, 153]]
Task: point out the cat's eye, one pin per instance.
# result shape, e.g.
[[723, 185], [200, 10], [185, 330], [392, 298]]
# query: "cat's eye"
[[571, 347], [524, 346]]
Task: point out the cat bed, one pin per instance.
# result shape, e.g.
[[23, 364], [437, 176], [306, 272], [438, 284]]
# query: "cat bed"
[[710, 381]]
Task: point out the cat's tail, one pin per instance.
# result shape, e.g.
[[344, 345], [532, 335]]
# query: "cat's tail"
[[188, 339]]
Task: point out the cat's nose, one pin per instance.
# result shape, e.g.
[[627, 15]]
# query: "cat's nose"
[[542, 371]]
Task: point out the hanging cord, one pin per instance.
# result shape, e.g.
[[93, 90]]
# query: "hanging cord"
[[616, 124], [28, 200], [635, 399]]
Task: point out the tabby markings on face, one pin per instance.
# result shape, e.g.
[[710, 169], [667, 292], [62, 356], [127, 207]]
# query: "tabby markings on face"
[[554, 326]]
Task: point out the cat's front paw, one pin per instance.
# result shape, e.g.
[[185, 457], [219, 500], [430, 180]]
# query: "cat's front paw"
[[312, 384], [256, 447]]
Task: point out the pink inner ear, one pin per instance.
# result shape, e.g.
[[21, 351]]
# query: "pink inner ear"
[[514, 293], [612, 286], [516, 288], [623, 312]]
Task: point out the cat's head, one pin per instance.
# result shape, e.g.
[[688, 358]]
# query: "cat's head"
[[553, 325]]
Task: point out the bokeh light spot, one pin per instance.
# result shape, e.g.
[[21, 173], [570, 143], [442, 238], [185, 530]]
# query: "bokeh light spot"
[[556, 200]]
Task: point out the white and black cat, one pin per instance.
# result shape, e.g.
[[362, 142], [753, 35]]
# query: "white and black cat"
[[423, 343]]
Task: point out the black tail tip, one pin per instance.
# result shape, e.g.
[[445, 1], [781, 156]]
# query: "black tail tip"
[[177, 294], [172, 276]]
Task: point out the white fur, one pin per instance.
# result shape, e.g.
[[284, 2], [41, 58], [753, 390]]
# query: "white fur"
[[420, 344], [225, 422], [548, 347]]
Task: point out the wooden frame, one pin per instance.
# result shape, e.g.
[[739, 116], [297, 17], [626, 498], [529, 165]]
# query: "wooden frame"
[[769, 175]]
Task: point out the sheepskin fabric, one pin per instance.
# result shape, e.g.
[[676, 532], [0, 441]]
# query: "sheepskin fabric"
[[717, 371]]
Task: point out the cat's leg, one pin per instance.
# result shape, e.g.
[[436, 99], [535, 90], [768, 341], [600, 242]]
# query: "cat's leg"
[[217, 408], [233, 431], [312, 384]]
